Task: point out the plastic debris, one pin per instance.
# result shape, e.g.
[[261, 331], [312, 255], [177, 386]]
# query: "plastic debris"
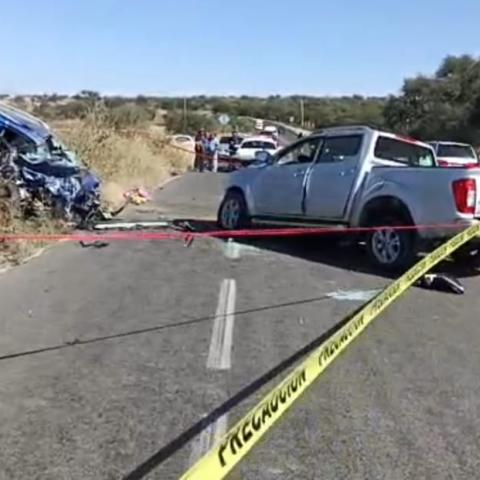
[[137, 196], [183, 226]]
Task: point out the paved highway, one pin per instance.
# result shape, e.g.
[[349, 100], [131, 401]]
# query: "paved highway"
[[401, 403]]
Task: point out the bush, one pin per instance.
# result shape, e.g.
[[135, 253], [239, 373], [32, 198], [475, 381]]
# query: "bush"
[[130, 116], [175, 122], [124, 160]]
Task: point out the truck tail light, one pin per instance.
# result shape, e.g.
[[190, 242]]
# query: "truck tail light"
[[465, 194], [442, 163]]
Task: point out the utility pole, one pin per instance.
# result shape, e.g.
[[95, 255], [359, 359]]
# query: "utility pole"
[[302, 113], [184, 114]]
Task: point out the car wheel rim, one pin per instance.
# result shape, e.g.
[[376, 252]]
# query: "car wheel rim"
[[386, 246], [231, 214]]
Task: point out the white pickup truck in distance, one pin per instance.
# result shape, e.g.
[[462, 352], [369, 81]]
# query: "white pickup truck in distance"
[[454, 154], [357, 177]]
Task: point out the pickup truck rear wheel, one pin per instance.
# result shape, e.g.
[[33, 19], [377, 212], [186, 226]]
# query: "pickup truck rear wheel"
[[391, 249], [233, 212]]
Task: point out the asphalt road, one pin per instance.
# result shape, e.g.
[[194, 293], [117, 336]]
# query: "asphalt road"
[[401, 403]]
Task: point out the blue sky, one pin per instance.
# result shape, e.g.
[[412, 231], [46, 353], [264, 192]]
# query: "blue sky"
[[177, 47]]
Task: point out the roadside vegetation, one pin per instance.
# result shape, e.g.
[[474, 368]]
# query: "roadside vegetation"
[[125, 153], [444, 105]]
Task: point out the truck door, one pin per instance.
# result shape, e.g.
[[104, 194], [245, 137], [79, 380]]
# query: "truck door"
[[331, 178], [279, 188]]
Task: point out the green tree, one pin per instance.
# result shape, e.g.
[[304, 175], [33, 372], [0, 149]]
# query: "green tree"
[[445, 106]]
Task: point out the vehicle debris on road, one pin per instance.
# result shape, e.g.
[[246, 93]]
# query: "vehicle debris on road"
[[96, 244], [442, 282], [132, 225]]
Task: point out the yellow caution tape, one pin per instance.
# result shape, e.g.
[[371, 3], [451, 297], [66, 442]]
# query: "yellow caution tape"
[[235, 445]]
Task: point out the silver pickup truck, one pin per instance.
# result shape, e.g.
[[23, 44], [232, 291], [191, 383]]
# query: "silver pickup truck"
[[356, 177]]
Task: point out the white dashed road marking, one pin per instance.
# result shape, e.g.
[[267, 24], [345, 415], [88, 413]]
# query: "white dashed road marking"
[[211, 435], [219, 358], [219, 354]]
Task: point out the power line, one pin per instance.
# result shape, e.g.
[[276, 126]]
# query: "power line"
[[155, 328]]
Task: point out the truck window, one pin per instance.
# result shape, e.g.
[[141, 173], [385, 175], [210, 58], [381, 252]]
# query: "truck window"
[[303, 152], [396, 150], [457, 151], [337, 149]]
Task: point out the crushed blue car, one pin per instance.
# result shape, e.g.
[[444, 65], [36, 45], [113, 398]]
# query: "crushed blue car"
[[41, 168]]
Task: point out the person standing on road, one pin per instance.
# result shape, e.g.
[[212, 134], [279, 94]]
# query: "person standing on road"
[[233, 143], [199, 151], [206, 158], [213, 146]]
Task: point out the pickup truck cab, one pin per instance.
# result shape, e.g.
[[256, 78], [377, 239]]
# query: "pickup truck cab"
[[356, 177]]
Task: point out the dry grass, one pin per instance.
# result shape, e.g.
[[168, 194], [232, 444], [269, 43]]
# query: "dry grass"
[[14, 252], [124, 159]]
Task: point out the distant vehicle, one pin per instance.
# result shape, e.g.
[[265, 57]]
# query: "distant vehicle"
[[454, 154], [184, 141], [258, 124], [271, 132], [225, 147], [356, 177], [248, 150]]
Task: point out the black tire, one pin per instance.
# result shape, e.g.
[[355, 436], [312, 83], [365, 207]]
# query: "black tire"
[[238, 216], [390, 249]]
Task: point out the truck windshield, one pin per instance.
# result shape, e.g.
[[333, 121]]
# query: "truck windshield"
[[456, 151]]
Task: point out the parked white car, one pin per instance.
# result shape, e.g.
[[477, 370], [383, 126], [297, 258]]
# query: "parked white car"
[[250, 147], [186, 142], [453, 154]]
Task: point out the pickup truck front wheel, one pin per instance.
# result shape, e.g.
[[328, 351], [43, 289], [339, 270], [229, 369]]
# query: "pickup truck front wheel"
[[391, 249], [233, 212]]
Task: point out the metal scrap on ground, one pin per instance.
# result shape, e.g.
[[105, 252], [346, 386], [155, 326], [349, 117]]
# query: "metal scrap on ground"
[[131, 225]]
